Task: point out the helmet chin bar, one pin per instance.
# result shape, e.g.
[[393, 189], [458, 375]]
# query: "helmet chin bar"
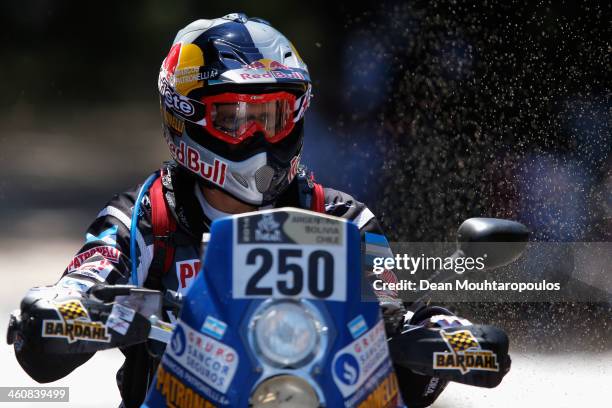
[[256, 180], [268, 196]]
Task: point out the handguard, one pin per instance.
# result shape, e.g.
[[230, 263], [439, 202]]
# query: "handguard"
[[57, 321], [475, 355]]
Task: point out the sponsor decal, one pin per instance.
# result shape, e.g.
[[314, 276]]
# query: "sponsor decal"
[[274, 74], [176, 393], [175, 101], [100, 266], [431, 386], [247, 228], [211, 361], [108, 252], [267, 68], [169, 64], [179, 341], [109, 236], [120, 318], [190, 72], [346, 369], [355, 363], [385, 395], [186, 271], [115, 323], [172, 121], [268, 229], [123, 312], [266, 64], [357, 326], [194, 74], [191, 159], [89, 274], [214, 327], [446, 321], [78, 284], [74, 324], [370, 385], [465, 354]]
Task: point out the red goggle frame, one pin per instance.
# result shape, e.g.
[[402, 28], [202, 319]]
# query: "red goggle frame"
[[234, 117]]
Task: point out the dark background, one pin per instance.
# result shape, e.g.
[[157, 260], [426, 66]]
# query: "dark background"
[[428, 111], [435, 110]]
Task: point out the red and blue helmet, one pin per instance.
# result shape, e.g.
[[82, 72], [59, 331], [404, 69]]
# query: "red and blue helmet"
[[233, 93]]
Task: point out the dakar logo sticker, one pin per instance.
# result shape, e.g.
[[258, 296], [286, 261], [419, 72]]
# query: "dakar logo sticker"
[[466, 354], [267, 229], [74, 325]]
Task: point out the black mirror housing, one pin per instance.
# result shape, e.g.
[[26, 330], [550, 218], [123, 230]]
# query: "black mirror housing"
[[498, 241]]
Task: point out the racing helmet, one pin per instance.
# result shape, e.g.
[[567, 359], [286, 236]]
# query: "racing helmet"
[[233, 92]]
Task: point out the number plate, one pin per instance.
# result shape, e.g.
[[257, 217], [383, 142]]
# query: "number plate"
[[289, 254]]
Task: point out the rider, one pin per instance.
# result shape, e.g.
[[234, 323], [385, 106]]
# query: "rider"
[[233, 93]]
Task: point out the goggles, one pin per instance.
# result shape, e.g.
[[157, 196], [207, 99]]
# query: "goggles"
[[234, 117]]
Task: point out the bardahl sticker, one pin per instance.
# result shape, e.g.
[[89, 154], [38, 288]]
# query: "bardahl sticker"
[[74, 324], [465, 354]]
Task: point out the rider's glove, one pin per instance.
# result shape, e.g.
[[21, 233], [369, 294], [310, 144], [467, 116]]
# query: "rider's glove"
[[427, 331], [420, 390], [26, 329]]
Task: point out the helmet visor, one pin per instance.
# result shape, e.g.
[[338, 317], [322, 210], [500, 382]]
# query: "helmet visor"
[[234, 117]]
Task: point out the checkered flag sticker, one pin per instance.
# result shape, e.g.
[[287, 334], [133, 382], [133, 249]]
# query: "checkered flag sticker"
[[72, 311], [461, 340]]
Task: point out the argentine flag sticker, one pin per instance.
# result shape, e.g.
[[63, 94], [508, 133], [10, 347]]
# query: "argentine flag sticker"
[[214, 327], [357, 326]]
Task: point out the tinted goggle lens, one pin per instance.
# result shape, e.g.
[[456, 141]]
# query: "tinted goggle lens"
[[234, 117], [240, 119]]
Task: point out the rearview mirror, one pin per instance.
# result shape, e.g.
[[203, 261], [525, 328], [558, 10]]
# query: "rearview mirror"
[[499, 242]]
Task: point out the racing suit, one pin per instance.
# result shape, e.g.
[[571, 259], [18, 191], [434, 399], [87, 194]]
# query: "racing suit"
[[105, 258]]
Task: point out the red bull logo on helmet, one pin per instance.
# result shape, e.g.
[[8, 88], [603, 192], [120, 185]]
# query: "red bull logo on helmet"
[[169, 64], [184, 68], [266, 64], [268, 68], [190, 158]]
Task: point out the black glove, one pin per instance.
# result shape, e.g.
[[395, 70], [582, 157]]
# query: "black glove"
[[436, 347], [418, 389], [39, 332]]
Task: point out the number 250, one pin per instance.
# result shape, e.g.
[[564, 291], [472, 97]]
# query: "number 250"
[[318, 288]]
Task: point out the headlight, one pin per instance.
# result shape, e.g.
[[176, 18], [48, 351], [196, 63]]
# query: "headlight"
[[286, 333], [284, 391]]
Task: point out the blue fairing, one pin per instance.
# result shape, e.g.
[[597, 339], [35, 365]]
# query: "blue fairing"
[[209, 360]]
